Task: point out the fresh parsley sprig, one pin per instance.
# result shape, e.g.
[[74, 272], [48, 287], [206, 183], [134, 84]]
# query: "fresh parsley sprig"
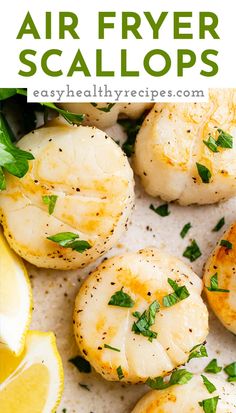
[[121, 299], [145, 321], [180, 293], [12, 159], [214, 285], [198, 351], [70, 240], [180, 377], [192, 252], [50, 200]]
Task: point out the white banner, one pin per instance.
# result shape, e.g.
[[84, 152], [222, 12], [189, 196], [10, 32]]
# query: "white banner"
[[126, 50]]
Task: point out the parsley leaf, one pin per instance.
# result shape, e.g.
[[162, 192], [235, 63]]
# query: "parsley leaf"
[[13, 159], [180, 293], [225, 140], [214, 285], [105, 109], [50, 200], [181, 377], [145, 321], [209, 405], [81, 364], [210, 386], [192, 252], [7, 93], [213, 367], [131, 127], [70, 240], [120, 373], [162, 210], [211, 144], [198, 351], [225, 243], [111, 348], [204, 173], [219, 225], [231, 371], [121, 299], [185, 230], [72, 118]]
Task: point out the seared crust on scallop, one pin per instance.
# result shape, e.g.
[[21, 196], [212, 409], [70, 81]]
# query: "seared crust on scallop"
[[185, 398], [170, 144], [93, 182], [94, 116], [143, 275], [223, 263]]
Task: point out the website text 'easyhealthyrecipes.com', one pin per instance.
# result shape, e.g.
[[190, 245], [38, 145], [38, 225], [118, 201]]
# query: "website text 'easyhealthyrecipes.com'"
[[98, 92]]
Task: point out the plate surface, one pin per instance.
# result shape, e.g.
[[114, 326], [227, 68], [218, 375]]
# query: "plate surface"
[[55, 291]]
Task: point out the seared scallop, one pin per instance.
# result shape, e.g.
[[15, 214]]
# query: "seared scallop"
[[79, 192], [186, 398], [105, 115], [186, 152], [220, 279], [131, 324]]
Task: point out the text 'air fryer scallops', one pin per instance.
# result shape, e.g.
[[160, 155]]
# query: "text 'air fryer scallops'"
[[186, 398], [73, 203], [139, 315], [220, 279], [186, 152], [105, 115]]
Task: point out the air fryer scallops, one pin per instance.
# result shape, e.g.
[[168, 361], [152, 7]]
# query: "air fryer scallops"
[[139, 315], [104, 115], [185, 152], [220, 279], [73, 203], [186, 398]]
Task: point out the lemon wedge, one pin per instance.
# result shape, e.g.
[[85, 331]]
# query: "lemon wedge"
[[36, 377], [16, 299]]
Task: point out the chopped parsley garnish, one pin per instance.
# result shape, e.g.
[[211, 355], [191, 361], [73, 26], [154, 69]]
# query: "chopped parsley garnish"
[[231, 371], [145, 321], [225, 140], [210, 386], [81, 364], [213, 367], [70, 240], [204, 173], [192, 252], [179, 294], [121, 299], [84, 386], [181, 376], [50, 200], [214, 285], [162, 210], [120, 373], [211, 144], [72, 118], [219, 225], [225, 243], [12, 159], [111, 348], [131, 127], [209, 405], [197, 352], [63, 410], [106, 108], [185, 230]]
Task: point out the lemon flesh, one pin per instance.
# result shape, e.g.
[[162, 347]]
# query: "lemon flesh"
[[16, 299], [35, 382]]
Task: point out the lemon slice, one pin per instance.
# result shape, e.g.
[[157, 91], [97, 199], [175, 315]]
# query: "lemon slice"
[[16, 299], [36, 384]]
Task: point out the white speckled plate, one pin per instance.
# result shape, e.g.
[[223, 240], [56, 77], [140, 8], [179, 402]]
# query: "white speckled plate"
[[55, 291]]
